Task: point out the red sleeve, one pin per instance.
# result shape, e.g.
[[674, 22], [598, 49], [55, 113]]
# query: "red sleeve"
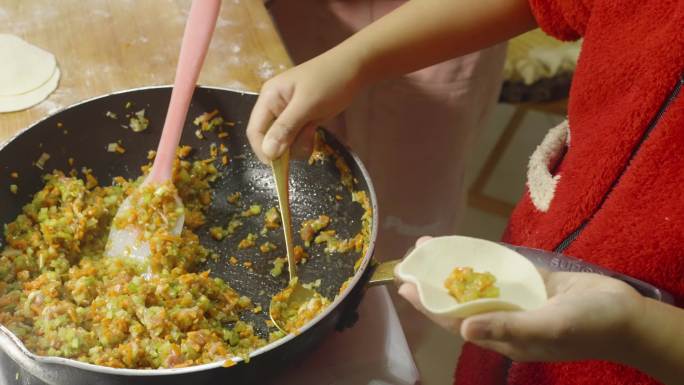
[[562, 19]]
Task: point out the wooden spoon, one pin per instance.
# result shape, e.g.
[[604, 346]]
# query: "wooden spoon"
[[295, 295]]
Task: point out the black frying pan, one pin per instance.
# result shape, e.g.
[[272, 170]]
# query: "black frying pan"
[[83, 131]]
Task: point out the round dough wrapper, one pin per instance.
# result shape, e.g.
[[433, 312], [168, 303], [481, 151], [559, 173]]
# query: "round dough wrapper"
[[31, 98], [24, 67], [520, 284]]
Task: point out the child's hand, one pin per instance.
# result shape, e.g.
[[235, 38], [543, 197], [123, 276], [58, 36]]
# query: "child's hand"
[[300, 99], [587, 316]]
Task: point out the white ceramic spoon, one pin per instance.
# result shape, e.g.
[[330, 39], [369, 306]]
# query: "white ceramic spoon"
[[521, 287], [126, 242]]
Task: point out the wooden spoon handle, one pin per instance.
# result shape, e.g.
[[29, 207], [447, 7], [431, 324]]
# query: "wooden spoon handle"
[[281, 171], [198, 31]]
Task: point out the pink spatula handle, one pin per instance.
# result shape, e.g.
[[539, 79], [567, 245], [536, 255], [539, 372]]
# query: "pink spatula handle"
[[198, 31]]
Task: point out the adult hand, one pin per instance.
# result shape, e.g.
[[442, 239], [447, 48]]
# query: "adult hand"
[[587, 316]]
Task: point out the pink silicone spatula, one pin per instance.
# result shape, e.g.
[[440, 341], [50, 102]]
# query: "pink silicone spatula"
[[126, 242]]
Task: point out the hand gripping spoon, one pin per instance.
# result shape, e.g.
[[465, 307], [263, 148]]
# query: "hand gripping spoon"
[[128, 240]]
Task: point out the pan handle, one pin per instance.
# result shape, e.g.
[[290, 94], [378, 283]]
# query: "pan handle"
[[383, 273], [380, 274], [559, 262]]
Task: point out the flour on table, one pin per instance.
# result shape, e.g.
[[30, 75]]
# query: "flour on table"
[[220, 23], [49, 107], [266, 70], [101, 13]]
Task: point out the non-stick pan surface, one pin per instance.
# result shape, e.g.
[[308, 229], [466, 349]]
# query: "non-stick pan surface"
[[83, 132]]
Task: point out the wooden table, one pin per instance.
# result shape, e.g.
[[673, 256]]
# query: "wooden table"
[[109, 45]]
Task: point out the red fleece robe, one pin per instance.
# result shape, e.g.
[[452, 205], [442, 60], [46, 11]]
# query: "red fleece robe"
[[619, 199]]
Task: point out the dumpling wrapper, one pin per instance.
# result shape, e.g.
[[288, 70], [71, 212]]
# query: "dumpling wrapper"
[[31, 98], [521, 287], [23, 67]]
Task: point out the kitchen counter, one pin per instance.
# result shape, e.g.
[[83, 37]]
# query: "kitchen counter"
[[109, 45]]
